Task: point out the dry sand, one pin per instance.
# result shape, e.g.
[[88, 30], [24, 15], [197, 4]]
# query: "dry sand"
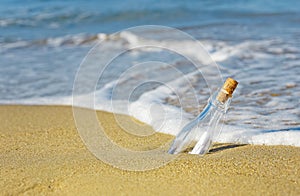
[[42, 153]]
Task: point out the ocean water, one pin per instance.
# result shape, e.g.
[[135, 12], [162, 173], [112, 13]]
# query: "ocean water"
[[43, 43]]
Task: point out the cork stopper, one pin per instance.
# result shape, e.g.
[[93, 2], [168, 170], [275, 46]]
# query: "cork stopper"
[[227, 90]]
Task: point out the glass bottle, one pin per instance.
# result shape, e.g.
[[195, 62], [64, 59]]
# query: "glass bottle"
[[205, 127]]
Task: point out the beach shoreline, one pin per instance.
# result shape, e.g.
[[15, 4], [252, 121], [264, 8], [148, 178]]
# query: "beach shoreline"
[[42, 153]]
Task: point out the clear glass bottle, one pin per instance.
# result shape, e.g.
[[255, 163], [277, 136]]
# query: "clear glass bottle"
[[205, 127]]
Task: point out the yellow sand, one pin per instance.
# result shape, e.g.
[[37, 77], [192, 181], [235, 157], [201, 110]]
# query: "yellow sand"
[[42, 153]]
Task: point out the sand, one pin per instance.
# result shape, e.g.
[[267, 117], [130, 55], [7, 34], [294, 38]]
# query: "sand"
[[41, 152]]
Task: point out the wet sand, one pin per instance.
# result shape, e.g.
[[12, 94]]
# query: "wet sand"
[[41, 152]]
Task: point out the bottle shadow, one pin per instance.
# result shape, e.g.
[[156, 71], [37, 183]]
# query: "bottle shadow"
[[218, 147], [221, 147]]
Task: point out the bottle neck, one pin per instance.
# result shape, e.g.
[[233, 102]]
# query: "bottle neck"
[[221, 100]]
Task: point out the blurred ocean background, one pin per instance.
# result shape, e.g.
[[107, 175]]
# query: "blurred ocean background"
[[42, 44]]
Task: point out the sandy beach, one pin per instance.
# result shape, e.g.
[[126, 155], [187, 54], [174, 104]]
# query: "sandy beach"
[[41, 153]]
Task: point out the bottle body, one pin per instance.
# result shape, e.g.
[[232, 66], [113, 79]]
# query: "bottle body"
[[203, 129], [209, 129]]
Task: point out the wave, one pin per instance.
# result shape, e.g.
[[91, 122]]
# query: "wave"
[[68, 40], [219, 50], [266, 101], [55, 17]]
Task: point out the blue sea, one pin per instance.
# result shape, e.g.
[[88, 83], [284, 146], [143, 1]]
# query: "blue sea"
[[43, 43]]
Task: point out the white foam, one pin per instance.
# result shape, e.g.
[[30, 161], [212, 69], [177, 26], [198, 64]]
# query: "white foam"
[[235, 134], [151, 109]]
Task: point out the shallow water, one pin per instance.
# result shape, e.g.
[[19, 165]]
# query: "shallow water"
[[258, 43]]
